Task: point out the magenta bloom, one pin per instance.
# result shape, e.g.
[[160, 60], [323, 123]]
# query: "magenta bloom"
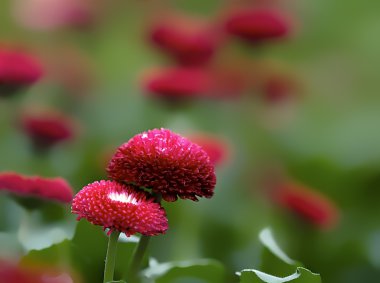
[[120, 207], [189, 42], [47, 129], [166, 163], [258, 25], [309, 204], [179, 83], [56, 189], [17, 70]]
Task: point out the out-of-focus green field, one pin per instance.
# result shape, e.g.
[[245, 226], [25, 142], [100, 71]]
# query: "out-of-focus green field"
[[327, 139]]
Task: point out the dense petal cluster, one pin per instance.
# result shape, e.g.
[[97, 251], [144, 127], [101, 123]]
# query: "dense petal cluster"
[[189, 42], [17, 70], [56, 189], [47, 129], [120, 207], [166, 163], [257, 25], [307, 203]]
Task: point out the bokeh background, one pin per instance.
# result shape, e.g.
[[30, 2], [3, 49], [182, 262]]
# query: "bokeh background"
[[322, 131]]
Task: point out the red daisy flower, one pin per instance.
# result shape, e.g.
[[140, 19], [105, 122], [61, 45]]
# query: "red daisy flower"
[[17, 70], [120, 207], [178, 83], [166, 163], [190, 42], [46, 129], [307, 203], [257, 25], [56, 189]]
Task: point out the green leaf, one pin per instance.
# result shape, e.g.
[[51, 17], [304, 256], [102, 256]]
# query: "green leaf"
[[273, 259], [85, 253], [302, 275], [205, 270], [268, 241], [121, 281]]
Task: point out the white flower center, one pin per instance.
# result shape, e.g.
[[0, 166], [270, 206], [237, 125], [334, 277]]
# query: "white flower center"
[[125, 198]]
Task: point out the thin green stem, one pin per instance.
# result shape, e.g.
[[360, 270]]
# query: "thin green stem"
[[137, 258], [111, 256], [138, 254]]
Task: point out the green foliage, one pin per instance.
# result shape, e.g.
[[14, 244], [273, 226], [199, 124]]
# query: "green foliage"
[[199, 270], [85, 253], [302, 275], [276, 261]]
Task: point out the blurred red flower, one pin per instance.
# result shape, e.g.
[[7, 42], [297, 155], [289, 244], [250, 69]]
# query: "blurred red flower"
[[279, 87], [47, 128], [307, 203], [120, 207], [166, 163], [186, 84], [53, 14], [54, 189], [216, 148], [190, 42], [18, 69], [177, 84], [258, 24], [13, 273]]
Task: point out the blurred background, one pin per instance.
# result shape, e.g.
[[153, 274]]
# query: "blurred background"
[[283, 94]]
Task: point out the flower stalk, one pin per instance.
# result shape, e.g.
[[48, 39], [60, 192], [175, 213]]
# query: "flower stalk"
[[111, 257]]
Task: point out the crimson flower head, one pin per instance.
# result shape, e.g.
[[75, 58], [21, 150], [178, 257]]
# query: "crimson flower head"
[[258, 24], [46, 129], [307, 203], [54, 189], [17, 70], [178, 84], [190, 42], [120, 207], [165, 162]]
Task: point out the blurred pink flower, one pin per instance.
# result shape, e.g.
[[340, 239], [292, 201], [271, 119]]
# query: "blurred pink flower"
[[71, 69], [53, 14], [120, 207], [177, 84], [279, 87], [216, 148], [18, 69], [48, 128], [258, 24], [186, 84], [166, 163], [10, 272], [55, 189], [311, 205], [189, 41]]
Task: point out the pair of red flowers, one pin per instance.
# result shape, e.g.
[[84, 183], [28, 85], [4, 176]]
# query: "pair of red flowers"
[[159, 160]]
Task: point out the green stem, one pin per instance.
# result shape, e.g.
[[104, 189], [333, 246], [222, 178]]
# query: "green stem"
[[138, 253], [137, 258], [111, 256]]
